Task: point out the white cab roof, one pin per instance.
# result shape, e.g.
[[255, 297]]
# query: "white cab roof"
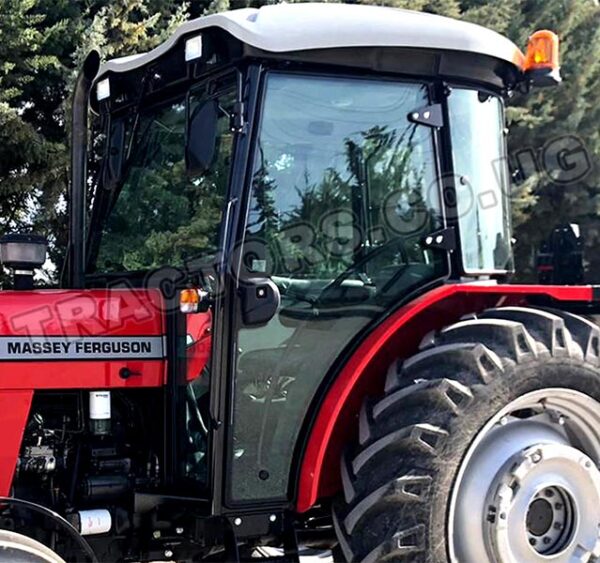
[[307, 26]]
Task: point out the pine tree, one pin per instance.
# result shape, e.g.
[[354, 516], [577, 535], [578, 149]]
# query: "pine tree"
[[568, 116], [130, 27], [42, 43], [24, 150]]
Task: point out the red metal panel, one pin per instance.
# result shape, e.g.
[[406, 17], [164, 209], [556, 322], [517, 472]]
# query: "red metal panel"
[[80, 374], [199, 329], [79, 315], [120, 312], [14, 406], [397, 336]]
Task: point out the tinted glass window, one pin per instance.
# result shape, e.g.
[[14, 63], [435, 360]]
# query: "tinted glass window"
[[344, 190], [478, 147], [160, 215]]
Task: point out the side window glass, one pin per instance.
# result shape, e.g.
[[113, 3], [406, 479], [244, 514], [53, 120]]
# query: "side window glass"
[[160, 215], [344, 190], [479, 153]]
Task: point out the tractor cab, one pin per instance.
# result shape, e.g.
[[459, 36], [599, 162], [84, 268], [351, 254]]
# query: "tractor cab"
[[310, 168], [293, 200]]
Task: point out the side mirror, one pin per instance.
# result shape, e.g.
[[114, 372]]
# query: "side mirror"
[[201, 145]]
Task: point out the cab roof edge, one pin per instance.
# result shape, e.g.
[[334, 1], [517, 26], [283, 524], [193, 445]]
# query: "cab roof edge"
[[308, 26]]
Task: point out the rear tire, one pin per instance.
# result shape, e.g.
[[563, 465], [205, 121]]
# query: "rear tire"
[[475, 433]]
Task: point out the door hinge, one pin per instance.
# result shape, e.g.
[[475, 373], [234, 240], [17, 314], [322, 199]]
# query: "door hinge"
[[238, 121], [432, 116], [444, 239]]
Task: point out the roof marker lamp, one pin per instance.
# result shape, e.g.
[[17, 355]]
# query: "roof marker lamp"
[[103, 90], [542, 61], [23, 253], [193, 48]]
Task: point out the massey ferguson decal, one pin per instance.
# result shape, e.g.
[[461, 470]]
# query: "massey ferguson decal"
[[36, 348]]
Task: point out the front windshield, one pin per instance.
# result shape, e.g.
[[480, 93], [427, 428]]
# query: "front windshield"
[[478, 150]]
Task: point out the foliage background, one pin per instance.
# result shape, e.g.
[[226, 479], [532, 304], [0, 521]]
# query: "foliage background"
[[43, 41]]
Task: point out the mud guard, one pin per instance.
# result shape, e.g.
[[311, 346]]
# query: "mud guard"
[[399, 336]]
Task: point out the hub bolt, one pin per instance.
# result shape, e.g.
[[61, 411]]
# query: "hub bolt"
[[156, 534], [168, 553]]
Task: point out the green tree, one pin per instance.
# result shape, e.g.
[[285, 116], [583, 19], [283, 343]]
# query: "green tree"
[[551, 118], [42, 43], [24, 152]]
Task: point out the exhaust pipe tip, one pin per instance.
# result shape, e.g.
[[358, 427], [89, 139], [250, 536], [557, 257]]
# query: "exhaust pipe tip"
[[91, 65]]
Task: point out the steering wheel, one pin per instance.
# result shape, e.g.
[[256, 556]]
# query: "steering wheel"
[[397, 243]]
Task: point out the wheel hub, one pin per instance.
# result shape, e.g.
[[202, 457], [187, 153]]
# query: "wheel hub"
[[550, 522], [544, 505], [528, 490]]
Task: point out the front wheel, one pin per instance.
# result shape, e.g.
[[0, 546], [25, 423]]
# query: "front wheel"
[[484, 448], [17, 548]]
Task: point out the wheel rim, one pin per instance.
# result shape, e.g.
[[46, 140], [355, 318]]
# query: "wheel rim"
[[528, 489]]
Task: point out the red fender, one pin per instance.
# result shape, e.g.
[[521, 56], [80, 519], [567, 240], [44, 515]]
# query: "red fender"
[[397, 337]]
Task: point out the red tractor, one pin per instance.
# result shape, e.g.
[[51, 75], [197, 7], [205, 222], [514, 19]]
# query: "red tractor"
[[284, 321]]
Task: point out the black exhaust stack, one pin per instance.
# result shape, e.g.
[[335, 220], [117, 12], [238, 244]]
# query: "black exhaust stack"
[[79, 141]]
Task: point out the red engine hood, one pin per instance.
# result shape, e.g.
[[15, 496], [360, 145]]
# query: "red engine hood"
[[81, 339], [73, 340]]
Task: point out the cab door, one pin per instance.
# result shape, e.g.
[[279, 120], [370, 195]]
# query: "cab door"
[[342, 191]]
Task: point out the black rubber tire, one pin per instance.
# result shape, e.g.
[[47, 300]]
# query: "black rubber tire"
[[397, 481]]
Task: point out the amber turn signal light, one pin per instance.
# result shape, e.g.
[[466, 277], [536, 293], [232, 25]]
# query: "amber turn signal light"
[[195, 300], [189, 299]]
